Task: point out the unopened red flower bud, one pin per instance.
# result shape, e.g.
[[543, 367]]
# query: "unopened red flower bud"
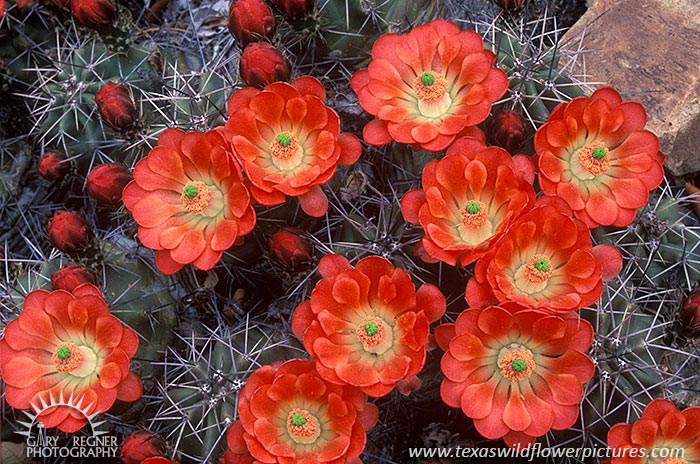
[[251, 21], [68, 231], [70, 276], [507, 130], [95, 14], [294, 8], [690, 313], [53, 165], [510, 5], [116, 106], [290, 248], [140, 445], [158, 460], [106, 182], [262, 63]]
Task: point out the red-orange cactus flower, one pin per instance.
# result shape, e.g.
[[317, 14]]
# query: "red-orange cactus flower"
[[428, 85], [544, 261], [189, 200], [237, 452], [594, 153], [289, 414], [662, 427], [289, 142], [518, 375], [66, 346], [367, 326], [468, 200]]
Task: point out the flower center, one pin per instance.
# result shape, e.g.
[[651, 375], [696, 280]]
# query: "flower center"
[[195, 197], [516, 362], [371, 328], [675, 461], [594, 157], [374, 334], [427, 78], [538, 269], [67, 358], [284, 146], [284, 139], [302, 427], [474, 215], [429, 86]]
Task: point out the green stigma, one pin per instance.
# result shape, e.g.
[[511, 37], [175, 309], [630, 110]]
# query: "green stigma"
[[542, 265], [599, 153], [190, 191], [427, 78], [473, 207], [371, 328], [284, 139], [63, 353], [298, 419], [519, 365]]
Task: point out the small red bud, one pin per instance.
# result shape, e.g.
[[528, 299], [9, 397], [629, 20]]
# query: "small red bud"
[[690, 313], [70, 276], [262, 63], [510, 5], [116, 106], [251, 21], [106, 182], [68, 231], [140, 445], [507, 130], [294, 8], [95, 14], [158, 460], [290, 248], [53, 165]]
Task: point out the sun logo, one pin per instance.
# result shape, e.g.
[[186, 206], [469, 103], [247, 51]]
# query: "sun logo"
[[90, 442]]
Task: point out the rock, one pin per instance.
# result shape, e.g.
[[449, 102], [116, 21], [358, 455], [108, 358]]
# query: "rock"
[[648, 50]]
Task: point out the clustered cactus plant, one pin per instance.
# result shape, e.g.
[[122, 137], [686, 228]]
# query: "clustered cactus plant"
[[94, 102]]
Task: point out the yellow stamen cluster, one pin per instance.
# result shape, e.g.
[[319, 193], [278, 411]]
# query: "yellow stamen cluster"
[[284, 146], [516, 363], [538, 269], [675, 461], [195, 197], [370, 332], [429, 86], [474, 214], [67, 357], [302, 426], [594, 157]]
